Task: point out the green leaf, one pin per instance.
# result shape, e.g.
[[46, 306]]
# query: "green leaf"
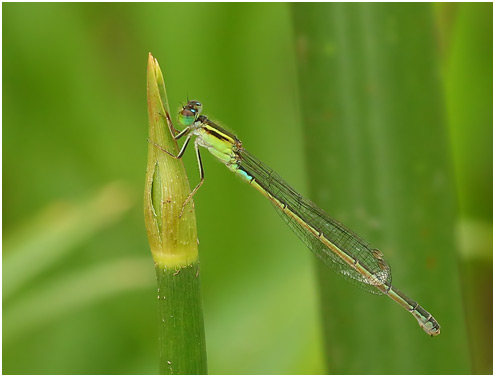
[[378, 158], [469, 98]]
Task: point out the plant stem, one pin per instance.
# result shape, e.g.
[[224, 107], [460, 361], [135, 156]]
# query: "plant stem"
[[173, 242], [182, 341]]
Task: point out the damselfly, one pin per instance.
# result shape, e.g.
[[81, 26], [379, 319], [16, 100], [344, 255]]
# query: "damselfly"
[[334, 244]]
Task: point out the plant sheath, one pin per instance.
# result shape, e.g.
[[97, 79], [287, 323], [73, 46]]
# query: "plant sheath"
[[173, 241]]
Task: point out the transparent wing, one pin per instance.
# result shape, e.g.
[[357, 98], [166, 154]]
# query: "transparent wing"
[[287, 198]]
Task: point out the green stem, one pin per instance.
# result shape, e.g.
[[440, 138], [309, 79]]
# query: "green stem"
[[182, 343], [173, 242]]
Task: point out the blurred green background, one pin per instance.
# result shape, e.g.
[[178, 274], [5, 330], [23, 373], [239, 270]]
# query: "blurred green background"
[[78, 279]]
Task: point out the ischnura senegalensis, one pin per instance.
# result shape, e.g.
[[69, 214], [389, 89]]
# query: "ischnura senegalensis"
[[334, 244]]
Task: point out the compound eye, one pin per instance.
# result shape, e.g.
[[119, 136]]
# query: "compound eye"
[[196, 106], [187, 116]]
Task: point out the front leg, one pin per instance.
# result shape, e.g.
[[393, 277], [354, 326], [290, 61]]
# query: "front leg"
[[201, 179], [171, 126], [182, 150]]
